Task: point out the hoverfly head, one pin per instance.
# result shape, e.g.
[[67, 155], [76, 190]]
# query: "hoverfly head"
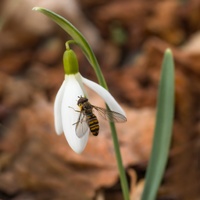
[[81, 100]]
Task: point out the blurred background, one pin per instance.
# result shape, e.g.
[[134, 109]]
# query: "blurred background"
[[129, 38]]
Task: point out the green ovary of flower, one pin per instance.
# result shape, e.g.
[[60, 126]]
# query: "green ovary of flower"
[[70, 62]]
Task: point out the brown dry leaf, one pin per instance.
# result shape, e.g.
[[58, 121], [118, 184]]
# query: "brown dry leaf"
[[14, 62], [164, 21], [50, 51], [124, 11], [191, 46], [136, 188], [31, 24]]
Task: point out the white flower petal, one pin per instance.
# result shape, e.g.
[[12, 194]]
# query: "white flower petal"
[[79, 79], [108, 98], [70, 116], [57, 109]]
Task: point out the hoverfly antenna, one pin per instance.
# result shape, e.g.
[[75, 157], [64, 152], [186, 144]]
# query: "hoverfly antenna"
[[79, 97]]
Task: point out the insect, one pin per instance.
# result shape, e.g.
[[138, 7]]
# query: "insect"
[[87, 119]]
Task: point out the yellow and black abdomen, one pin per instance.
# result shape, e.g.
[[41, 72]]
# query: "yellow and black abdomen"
[[93, 124]]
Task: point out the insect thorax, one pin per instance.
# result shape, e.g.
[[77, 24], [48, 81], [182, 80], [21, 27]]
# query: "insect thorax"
[[87, 110]]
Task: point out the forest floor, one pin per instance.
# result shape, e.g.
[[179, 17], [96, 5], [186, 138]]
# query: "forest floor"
[[129, 39]]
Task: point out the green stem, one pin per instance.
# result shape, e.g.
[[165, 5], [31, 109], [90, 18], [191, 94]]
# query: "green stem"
[[124, 183], [67, 44], [122, 174]]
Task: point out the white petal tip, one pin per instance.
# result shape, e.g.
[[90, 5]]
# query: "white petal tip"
[[59, 132], [108, 98], [78, 148], [77, 144], [78, 151]]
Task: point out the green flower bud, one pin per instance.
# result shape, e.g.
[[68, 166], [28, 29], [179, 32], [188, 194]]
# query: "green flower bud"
[[70, 62]]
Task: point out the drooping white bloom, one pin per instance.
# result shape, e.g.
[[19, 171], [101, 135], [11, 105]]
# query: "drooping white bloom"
[[65, 117]]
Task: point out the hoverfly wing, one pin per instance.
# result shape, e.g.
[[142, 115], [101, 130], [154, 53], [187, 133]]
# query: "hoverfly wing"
[[81, 125], [110, 115]]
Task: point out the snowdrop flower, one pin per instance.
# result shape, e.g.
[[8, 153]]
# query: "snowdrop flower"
[[65, 108]]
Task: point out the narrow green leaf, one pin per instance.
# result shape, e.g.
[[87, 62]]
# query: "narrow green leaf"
[[68, 27], [163, 129], [78, 38]]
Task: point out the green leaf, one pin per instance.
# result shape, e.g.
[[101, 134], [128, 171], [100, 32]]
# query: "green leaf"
[[163, 129]]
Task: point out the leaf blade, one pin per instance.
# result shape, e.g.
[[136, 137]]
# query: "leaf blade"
[[163, 129], [71, 30]]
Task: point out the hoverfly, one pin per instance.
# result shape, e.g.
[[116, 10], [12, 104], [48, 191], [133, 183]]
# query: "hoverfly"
[[88, 120]]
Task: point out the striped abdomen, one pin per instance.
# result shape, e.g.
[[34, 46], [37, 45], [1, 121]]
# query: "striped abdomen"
[[93, 123]]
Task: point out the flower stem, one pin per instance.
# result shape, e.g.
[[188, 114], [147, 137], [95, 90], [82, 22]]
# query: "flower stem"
[[122, 174], [67, 44], [124, 183]]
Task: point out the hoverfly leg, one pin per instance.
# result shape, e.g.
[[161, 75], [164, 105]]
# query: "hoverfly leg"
[[74, 109], [75, 123]]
